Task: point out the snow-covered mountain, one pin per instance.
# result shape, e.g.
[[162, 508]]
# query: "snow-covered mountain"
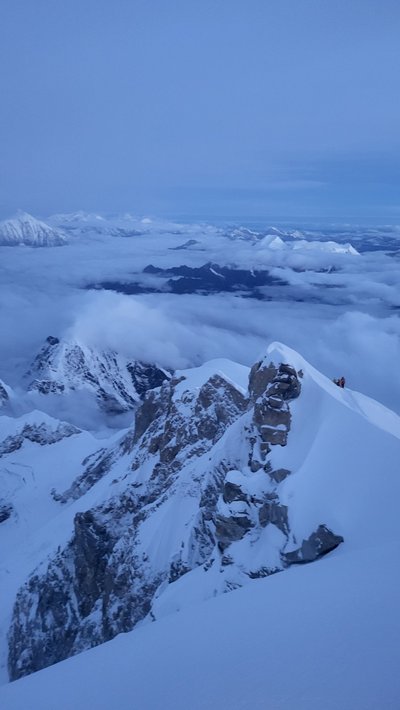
[[227, 476], [68, 366], [23, 229]]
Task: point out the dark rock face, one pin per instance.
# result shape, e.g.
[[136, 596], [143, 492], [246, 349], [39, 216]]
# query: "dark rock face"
[[41, 434], [281, 382], [318, 544], [3, 395], [52, 340], [47, 387], [101, 583], [230, 529], [279, 474], [233, 492], [105, 580], [273, 512], [94, 589], [260, 378], [162, 426], [6, 510], [271, 389], [146, 377], [208, 278]]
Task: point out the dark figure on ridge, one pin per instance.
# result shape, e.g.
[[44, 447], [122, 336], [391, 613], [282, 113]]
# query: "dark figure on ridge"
[[340, 382]]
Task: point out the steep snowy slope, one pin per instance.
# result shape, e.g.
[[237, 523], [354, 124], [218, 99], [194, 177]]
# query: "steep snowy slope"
[[214, 487], [318, 637], [29, 231]]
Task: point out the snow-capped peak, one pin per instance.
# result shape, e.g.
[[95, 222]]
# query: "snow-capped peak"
[[65, 366], [26, 230]]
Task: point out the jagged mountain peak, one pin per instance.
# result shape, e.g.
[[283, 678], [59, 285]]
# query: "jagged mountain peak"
[[26, 230], [66, 365], [210, 489]]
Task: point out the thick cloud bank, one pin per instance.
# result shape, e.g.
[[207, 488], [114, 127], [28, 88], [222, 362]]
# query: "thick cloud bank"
[[339, 309]]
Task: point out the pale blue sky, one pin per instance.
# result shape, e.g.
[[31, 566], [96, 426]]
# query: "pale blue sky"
[[286, 110]]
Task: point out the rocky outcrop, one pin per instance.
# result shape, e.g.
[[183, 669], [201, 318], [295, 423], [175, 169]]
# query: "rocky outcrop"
[[42, 434], [191, 487], [176, 428], [6, 510], [146, 376], [104, 582], [318, 544], [231, 528], [274, 513], [94, 589], [271, 389]]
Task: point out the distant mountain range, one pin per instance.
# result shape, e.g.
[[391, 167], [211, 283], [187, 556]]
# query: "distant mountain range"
[[25, 230]]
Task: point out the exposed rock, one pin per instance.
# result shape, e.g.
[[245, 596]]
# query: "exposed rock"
[[52, 340], [274, 513], [229, 529], [94, 589], [259, 379], [101, 579], [279, 474], [168, 426], [233, 492], [92, 546], [3, 394], [271, 388], [110, 574], [318, 544], [146, 376], [269, 380], [5, 510], [41, 434], [273, 436]]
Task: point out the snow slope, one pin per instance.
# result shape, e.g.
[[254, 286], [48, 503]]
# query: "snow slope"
[[323, 636]]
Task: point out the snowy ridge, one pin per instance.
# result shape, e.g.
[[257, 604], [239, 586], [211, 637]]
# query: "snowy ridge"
[[213, 488], [23, 229]]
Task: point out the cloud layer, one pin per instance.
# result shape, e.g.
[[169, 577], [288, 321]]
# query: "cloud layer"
[[339, 311]]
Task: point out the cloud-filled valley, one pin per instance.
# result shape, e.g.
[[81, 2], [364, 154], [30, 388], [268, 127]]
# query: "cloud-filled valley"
[[335, 305]]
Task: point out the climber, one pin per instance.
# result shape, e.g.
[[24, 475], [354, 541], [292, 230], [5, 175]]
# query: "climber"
[[339, 381]]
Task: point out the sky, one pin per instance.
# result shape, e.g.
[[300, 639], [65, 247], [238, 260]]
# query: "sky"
[[244, 109]]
